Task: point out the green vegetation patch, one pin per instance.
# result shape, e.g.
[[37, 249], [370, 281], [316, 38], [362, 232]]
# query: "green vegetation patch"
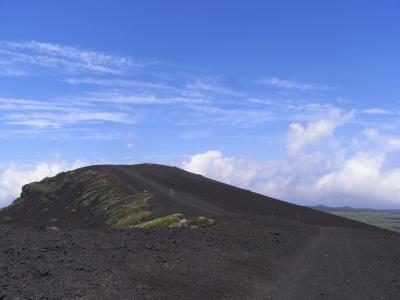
[[47, 187], [51, 185], [120, 208], [200, 222], [97, 192], [129, 211], [167, 221], [177, 220]]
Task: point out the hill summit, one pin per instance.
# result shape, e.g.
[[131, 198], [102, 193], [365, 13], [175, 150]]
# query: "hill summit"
[[147, 195]]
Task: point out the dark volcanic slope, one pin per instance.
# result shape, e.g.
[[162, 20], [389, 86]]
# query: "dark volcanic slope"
[[238, 258], [83, 198], [249, 254]]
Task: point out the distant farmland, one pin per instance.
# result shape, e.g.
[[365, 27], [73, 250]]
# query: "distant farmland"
[[388, 219]]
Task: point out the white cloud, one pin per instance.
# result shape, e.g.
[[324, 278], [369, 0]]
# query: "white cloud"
[[262, 101], [59, 57], [363, 179], [207, 114], [299, 136], [211, 86], [360, 180], [11, 72], [124, 83], [227, 169], [387, 143], [8, 70], [26, 104], [377, 111], [57, 120], [291, 84], [128, 98], [365, 173], [14, 177]]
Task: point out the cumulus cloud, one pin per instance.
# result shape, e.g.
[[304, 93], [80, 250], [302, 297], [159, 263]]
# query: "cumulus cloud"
[[281, 179], [14, 177], [227, 169], [361, 173], [299, 135], [364, 179], [360, 180]]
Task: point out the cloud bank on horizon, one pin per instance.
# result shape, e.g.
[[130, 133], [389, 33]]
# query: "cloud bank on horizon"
[[309, 145]]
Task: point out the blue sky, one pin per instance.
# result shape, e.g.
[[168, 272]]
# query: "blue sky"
[[294, 99]]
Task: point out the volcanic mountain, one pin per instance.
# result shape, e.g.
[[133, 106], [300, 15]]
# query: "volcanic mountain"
[[156, 232], [126, 196]]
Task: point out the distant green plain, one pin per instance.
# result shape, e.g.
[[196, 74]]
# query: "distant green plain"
[[388, 219]]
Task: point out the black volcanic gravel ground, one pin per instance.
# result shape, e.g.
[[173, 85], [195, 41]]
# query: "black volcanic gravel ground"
[[239, 258]]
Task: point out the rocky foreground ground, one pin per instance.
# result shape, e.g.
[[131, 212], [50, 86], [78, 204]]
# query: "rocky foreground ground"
[[258, 257]]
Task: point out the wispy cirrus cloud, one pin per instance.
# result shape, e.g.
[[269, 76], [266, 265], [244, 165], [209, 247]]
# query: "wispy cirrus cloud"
[[211, 86], [201, 114], [119, 83], [377, 111], [11, 104], [8, 70], [69, 59], [57, 120], [111, 83], [292, 84], [11, 72], [129, 98], [387, 142]]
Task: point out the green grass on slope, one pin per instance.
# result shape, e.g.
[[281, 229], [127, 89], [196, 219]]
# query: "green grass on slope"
[[98, 191], [200, 222], [167, 221], [110, 204], [177, 220], [126, 217]]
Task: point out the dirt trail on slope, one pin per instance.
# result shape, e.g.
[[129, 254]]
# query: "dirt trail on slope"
[[168, 200]]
